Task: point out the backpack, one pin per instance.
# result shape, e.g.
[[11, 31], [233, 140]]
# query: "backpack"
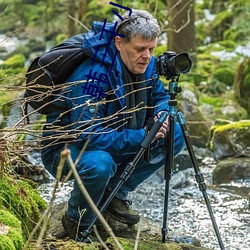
[[48, 73]]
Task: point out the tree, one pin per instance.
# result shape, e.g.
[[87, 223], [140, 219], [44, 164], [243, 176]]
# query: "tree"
[[181, 27]]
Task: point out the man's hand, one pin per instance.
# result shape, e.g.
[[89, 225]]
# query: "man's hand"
[[164, 128]]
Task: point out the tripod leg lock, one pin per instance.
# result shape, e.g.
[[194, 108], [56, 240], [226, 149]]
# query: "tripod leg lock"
[[127, 172], [200, 180]]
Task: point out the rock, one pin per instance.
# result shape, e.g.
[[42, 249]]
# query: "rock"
[[20, 209], [188, 95], [150, 235], [181, 179], [242, 85], [229, 140], [197, 125], [231, 169]]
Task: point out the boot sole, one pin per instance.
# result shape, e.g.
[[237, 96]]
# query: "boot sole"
[[121, 219]]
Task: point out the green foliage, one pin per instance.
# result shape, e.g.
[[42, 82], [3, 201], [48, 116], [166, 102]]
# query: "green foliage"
[[242, 84], [224, 75], [12, 67], [6, 243], [219, 102], [13, 239], [160, 49], [229, 23], [17, 61], [22, 200]]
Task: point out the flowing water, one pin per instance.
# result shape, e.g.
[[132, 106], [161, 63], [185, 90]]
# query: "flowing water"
[[187, 212]]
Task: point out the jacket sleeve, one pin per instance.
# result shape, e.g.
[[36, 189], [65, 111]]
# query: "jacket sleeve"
[[88, 118]]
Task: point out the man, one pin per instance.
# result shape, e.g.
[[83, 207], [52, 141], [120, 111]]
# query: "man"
[[113, 126]]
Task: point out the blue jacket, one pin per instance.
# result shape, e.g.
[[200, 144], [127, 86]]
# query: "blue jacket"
[[105, 132]]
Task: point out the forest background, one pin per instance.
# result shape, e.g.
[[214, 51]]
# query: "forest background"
[[214, 33]]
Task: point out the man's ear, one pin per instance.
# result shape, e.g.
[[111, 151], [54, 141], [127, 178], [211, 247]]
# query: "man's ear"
[[118, 42]]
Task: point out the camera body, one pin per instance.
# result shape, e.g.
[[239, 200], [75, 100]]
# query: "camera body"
[[171, 65]]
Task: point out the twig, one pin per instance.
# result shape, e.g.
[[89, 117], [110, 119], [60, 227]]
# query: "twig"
[[137, 236], [77, 21], [99, 238], [66, 154], [45, 217]]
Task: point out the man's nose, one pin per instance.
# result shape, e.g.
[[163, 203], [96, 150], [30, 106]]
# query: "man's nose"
[[146, 54]]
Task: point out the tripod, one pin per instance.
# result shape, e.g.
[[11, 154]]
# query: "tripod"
[[173, 90], [169, 163]]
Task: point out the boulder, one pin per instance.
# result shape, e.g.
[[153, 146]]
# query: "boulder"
[[242, 84], [231, 169], [231, 139], [150, 235], [197, 125]]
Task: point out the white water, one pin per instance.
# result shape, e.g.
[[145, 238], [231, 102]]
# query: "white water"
[[188, 215]]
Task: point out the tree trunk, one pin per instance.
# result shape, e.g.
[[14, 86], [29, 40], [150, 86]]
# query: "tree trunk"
[[72, 13], [181, 27], [83, 8]]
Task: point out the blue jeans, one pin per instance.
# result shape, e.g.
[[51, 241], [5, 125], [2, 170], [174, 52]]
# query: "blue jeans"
[[100, 170]]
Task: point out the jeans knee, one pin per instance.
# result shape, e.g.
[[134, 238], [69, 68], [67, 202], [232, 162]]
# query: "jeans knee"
[[98, 165]]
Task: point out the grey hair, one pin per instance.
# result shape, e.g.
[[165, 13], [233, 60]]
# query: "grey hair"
[[140, 22]]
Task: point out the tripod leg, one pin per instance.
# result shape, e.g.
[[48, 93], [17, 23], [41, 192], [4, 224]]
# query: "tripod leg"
[[199, 177], [129, 169], [168, 173]]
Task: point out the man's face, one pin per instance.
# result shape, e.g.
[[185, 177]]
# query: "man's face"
[[136, 54]]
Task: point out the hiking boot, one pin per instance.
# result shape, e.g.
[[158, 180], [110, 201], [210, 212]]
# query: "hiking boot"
[[75, 231], [121, 211]]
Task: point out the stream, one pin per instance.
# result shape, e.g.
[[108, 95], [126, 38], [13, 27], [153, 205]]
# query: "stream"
[[187, 212]]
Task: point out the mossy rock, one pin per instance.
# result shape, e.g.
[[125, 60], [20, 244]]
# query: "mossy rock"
[[232, 139], [22, 200], [242, 85], [219, 107], [197, 125], [128, 244], [231, 169], [13, 70], [225, 75], [10, 231]]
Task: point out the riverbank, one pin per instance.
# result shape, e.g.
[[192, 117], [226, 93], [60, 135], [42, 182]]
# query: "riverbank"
[[188, 215]]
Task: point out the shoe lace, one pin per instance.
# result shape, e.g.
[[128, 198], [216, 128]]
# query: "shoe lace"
[[127, 203]]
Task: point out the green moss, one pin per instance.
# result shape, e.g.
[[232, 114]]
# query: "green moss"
[[242, 84], [13, 71], [239, 128], [22, 200], [6, 243], [225, 75], [212, 100], [16, 237], [128, 244], [160, 50], [236, 125], [9, 219], [16, 61], [13, 239]]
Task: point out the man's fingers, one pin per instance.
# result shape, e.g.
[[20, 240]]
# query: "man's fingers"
[[159, 135]]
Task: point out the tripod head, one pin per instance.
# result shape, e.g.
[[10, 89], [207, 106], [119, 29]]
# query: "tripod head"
[[174, 89]]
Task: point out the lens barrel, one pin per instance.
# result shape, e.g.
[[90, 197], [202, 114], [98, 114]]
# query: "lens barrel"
[[171, 64]]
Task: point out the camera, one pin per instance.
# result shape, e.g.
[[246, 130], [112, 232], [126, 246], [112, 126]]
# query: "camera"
[[171, 65]]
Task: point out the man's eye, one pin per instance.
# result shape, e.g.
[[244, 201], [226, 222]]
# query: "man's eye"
[[139, 50]]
